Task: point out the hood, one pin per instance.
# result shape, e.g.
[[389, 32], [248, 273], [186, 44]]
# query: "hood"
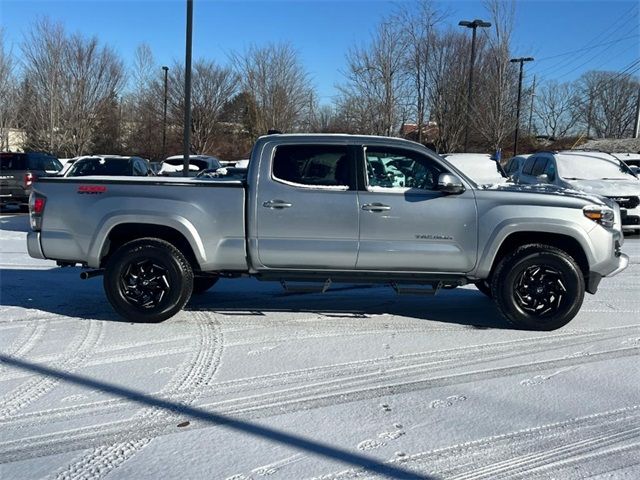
[[607, 188], [547, 189]]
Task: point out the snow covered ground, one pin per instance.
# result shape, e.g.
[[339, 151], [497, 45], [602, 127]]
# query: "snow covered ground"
[[250, 382]]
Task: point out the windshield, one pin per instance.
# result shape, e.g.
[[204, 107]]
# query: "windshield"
[[589, 167], [100, 166]]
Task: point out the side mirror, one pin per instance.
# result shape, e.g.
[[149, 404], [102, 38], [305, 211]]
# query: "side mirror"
[[450, 183]]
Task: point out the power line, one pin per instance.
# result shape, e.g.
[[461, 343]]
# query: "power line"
[[591, 45], [612, 42]]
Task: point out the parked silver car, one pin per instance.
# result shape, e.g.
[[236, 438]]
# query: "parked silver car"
[[591, 172]]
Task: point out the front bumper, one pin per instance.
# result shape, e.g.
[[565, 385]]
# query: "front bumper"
[[623, 262], [33, 245]]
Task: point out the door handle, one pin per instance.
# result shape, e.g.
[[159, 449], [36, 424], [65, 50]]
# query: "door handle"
[[375, 207], [276, 204]]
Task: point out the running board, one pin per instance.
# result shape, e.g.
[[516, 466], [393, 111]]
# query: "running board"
[[417, 290], [305, 287]]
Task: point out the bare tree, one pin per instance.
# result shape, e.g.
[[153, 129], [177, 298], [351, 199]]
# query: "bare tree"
[[555, 109], [212, 88], [447, 95], [67, 78], [375, 82], [496, 88], [278, 84], [607, 103], [142, 106], [42, 51], [8, 94], [418, 23]]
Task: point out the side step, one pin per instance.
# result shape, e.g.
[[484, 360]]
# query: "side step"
[[298, 287], [428, 289]]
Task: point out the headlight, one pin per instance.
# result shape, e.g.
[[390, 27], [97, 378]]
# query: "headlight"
[[605, 216]]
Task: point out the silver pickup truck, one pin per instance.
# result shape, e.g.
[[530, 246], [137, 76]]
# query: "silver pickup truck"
[[317, 209]]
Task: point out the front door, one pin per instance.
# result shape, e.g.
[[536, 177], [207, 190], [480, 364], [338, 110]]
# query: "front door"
[[406, 224], [307, 211]]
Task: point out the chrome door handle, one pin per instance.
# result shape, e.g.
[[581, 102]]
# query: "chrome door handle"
[[276, 204], [375, 207]]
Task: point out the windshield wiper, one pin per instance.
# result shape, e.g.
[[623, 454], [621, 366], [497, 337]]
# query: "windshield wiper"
[[573, 178], [613, 178]]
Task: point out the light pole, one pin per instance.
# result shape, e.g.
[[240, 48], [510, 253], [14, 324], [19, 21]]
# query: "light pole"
[[187, 90], [473, 25], [521, 61], [164, 115]]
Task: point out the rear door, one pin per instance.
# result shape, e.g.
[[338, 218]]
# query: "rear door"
[[306, 207], [406, 224]]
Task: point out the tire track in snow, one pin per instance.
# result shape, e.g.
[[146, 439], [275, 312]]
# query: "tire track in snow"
[[441, 359], [26, 341], [529, 452], [196, 371], [80, 349], [273, 403]]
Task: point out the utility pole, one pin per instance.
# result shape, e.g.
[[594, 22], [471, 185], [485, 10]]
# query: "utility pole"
[[533, 94], [187, 90], [473, 25], [636, 128], [164, 116], [521, 61]]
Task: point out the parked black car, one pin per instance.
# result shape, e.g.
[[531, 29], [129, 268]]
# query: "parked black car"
[[18, 171]]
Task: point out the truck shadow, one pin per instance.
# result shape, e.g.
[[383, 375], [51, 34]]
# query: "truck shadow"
[[463, 306], [60, 291]]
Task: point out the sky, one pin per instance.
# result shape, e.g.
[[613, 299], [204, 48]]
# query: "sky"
[[323, 31]]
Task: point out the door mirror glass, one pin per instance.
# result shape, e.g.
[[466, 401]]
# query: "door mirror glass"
[[450, 183]]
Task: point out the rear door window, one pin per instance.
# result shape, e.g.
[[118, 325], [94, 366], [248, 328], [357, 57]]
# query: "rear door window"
[[539, 166], [528, 166], [313, 165], [13, 161]]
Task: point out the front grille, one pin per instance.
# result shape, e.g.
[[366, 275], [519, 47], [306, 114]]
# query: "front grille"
[[626, 202], [631, 220]]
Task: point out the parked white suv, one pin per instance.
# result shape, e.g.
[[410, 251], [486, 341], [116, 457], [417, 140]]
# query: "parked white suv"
[[591, 172], [173, 166]]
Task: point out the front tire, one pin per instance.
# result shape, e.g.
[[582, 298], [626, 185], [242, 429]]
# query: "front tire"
[[538, 287], [148, 280]]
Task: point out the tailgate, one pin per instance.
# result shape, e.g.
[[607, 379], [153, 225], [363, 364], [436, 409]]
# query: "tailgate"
[[11, 184]]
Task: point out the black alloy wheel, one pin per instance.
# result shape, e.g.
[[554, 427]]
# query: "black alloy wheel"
[[540, 290], [144, 283], [148, 280], [538, 287]]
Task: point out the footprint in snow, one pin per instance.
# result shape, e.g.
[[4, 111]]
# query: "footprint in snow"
[[370, 444], [448, 402], [74, 398], [165, 370]]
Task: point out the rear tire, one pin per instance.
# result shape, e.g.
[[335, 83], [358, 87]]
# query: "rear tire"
[[148, 280], [538, 287]]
